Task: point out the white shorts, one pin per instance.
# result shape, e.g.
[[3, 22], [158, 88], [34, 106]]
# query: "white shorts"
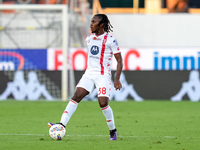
[[102, 83]]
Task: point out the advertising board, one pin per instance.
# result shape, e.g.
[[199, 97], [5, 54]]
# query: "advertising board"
[[136, 85], [154, 85], [31, 85], [23, 59], [134, 59]]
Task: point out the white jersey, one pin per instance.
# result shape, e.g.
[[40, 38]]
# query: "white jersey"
[[100, 51]]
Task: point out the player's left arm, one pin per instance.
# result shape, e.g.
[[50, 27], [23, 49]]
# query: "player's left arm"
[[117, 83]]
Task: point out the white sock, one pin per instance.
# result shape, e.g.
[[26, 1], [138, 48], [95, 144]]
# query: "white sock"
[[69, 110], [108, 113]]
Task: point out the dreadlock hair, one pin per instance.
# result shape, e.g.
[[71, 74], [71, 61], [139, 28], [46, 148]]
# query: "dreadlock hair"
[[104, 19]]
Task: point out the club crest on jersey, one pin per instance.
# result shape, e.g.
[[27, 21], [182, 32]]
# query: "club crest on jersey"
[[94, 50]]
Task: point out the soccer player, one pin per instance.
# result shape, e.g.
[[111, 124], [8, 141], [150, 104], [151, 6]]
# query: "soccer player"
[[101, 47]]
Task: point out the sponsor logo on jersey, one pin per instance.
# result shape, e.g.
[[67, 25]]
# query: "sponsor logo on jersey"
[[94, 50]]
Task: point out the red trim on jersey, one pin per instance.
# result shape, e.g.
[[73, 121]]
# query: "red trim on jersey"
[[102, 53], [109, 120], [66, 112], [105, 107]]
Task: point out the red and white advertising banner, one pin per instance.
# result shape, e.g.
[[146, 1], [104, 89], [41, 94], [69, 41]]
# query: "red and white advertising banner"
[[133, 59]]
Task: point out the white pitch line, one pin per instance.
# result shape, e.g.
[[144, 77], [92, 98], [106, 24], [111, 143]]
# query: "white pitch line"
[[28, 134]]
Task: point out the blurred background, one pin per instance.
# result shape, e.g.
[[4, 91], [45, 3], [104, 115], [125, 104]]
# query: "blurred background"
[[159, 41]]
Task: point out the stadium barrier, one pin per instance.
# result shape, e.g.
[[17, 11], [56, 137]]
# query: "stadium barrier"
[[137, 85]]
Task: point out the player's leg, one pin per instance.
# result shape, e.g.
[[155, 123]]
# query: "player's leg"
[[83, 88], [71, 107], [104, 89], [108, 113]]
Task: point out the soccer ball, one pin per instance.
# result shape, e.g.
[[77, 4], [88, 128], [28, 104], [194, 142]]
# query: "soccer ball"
[[57, 132]]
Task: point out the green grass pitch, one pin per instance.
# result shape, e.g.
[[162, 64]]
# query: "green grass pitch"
[[148, 125]]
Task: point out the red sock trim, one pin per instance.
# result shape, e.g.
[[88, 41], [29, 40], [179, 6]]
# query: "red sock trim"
[[73, 101], [105, 107]]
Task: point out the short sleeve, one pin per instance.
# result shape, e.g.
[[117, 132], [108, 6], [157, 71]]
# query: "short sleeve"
[[114, 46]]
